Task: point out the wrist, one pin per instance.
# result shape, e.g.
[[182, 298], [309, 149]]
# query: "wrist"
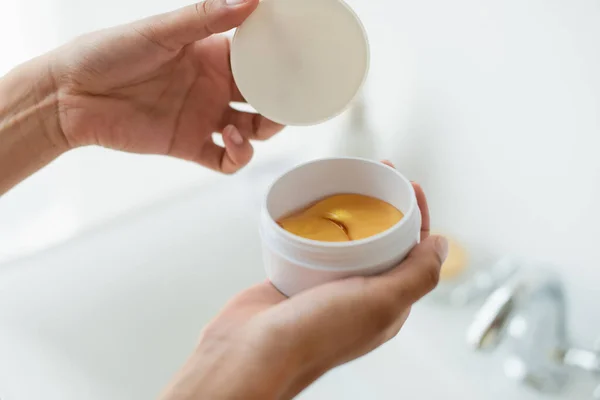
[[30, 132], [29, 100], [224, 370]]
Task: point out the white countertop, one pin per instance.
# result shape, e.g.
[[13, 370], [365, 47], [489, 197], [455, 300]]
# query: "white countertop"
[[114, 312]]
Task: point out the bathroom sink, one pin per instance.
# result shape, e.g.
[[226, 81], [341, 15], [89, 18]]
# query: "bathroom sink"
[[114, 312]]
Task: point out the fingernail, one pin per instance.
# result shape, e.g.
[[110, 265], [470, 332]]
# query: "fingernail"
[[234, 2], [441, 246], [235, 135]]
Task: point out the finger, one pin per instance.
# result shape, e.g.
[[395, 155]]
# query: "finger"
[[422, 203], [337, 322], [328, 324], [311, 374], [253, 126], [195, 22], [417, 275], [389, 295], [229, 159], [388, 163]]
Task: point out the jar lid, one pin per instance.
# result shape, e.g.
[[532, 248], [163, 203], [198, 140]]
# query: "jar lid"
[[300, 62]]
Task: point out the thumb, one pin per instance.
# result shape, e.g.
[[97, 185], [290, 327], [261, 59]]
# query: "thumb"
[[418, 274], [198, 21]]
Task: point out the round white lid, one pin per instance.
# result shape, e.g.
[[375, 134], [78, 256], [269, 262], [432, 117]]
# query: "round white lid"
[[300, 62]]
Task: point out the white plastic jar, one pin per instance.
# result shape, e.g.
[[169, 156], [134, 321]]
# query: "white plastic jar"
[[294, 264]]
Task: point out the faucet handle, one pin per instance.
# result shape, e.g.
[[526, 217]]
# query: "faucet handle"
[[529, 311], [485, 332], [587, 360], [497, 312], [483, 282]]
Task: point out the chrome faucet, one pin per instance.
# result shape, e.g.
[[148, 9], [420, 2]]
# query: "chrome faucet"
[[529, 313]]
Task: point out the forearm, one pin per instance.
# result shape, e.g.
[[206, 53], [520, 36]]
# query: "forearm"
[[30, 134]]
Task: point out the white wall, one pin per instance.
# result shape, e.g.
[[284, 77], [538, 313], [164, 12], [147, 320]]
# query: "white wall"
[[501, 122], [493, 105]]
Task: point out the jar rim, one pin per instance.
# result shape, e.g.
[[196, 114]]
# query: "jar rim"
[[317, 244]]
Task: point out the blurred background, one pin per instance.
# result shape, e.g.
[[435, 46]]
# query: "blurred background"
[[494, 106]]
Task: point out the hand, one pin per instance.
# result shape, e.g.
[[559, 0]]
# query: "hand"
[[266, 346], [162, 85]]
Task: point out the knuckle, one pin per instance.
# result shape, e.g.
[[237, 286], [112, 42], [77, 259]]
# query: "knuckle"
[[201, 8], [427, 269], [151, 34]]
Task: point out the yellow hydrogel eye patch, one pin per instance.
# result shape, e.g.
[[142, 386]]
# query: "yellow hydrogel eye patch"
[[354, 216]]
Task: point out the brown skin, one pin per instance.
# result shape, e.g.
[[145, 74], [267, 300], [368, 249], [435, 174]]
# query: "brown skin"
[[164, 86]]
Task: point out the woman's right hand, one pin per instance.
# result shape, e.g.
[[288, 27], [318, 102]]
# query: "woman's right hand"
[[266, 346]]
